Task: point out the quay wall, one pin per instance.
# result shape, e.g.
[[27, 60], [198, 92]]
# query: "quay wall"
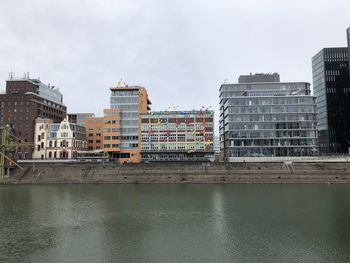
[[181, 172]]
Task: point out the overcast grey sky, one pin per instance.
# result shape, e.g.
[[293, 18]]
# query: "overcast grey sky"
[[181, 51]]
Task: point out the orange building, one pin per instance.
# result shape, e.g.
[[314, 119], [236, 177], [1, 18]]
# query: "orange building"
[[118, 133], [103, 133]]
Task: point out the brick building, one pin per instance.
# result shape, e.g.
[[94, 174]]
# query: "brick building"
[[25, 100]]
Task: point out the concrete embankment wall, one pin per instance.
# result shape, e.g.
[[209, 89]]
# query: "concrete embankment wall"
[[183, 172]]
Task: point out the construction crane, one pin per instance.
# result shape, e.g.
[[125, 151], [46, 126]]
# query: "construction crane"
[[9, 144]]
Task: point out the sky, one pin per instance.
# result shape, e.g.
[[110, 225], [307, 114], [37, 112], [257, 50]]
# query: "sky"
[[181, 51]]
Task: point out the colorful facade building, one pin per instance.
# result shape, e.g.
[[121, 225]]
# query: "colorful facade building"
[[118, 132], [58, 140], [177, 135]]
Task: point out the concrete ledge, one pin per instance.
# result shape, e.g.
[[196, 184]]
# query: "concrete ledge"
[[147, 173]]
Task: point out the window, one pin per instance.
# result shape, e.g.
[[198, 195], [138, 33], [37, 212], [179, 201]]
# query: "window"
[[64, 134]]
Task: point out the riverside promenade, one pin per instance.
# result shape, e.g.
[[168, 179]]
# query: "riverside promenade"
[[307, 170]]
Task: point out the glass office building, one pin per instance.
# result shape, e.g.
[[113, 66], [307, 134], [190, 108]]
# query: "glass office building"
[[348, 37], [128, 102], [131, 101], [267, 119], [330, 68]]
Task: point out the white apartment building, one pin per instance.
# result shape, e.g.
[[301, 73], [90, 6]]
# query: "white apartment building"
[[58, 140]]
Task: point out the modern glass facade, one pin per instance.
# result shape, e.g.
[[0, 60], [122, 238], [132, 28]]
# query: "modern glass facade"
[[128, 102], [348, 37], [267, 119], [330, 69], [131, 102]]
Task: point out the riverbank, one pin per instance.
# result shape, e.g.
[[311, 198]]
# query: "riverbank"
[[181, 172]]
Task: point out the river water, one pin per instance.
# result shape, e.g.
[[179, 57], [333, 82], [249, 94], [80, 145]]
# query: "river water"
[[175, 223]]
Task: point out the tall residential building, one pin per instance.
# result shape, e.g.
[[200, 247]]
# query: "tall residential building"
[[267, 119], [79, 118], [330, 68], [58, 140], [118, 133], [259, 77], [177, 135], [24, 101]]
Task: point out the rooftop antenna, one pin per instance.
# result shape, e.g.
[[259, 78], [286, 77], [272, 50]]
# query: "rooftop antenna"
[[225, 81], [11, 75], [119, 83]]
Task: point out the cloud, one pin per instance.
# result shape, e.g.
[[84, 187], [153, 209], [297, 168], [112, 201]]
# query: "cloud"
[[181, 51]]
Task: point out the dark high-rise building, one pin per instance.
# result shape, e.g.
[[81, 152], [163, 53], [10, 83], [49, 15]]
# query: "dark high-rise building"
[[25, 100], [259, 77], [330, 69], [348, 36]]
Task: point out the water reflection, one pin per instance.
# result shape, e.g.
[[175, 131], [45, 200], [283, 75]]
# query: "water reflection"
[[175, 223]]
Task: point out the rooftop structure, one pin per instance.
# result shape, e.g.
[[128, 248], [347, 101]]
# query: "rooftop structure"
[[259, 77]]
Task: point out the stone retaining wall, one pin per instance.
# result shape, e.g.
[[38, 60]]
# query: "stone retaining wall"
[[181, 172]]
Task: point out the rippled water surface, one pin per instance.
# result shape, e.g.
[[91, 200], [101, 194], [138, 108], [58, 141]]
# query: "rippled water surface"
[[175, 223]]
